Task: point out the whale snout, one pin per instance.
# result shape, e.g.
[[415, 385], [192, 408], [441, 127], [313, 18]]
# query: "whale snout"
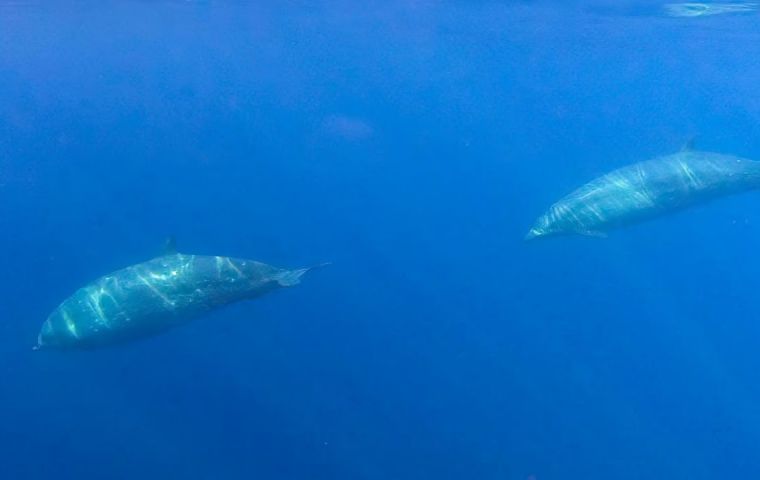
[[534, 233], [541, 228]]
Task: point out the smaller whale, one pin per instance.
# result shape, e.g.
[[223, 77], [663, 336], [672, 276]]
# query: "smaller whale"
[[646, 190], [155, 296]]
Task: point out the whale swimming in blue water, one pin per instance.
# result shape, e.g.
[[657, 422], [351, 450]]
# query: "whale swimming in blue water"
[[645, 190], [155, 296]]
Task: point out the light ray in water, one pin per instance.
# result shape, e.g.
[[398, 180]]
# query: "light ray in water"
[[693, 9]]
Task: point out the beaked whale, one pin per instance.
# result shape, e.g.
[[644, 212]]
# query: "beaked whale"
[[645, 190], [155, 296]]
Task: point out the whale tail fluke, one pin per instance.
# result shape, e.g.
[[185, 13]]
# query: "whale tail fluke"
[[289, 278]]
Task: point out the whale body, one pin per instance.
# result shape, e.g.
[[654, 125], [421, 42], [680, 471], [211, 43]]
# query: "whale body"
[[645, 190], [157, 295]]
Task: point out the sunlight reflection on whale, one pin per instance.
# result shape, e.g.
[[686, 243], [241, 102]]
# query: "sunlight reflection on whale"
[[703, 9]]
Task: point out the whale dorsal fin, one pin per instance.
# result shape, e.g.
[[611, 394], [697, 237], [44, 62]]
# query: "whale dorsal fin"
[[170, 245], [688, 146]]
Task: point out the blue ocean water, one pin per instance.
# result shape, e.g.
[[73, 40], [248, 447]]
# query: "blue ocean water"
[[412, 144]]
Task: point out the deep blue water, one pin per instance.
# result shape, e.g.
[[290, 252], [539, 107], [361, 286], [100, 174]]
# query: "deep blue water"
[[412, 144]]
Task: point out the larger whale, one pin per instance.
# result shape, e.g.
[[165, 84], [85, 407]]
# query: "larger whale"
[[645, 190], [157, 295]]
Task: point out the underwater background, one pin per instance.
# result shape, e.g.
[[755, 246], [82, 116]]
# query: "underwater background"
[[412, 144]]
